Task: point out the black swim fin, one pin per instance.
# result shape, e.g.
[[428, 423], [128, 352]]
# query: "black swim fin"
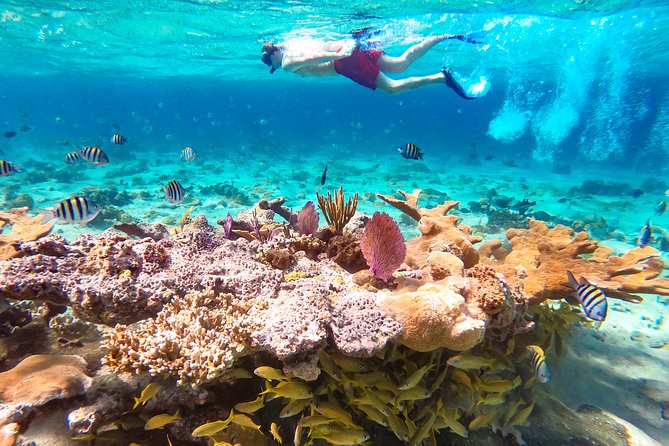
[[454, 85]]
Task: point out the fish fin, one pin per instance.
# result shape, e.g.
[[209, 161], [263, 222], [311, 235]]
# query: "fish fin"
[[47, 214], [137, 403], [573, 283], [572, 299], [16, 167]]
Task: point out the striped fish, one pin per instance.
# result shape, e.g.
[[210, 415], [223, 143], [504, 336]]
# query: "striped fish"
[[72, 158], [174, 192], [7, 168], [645, 235], [118, 139], [539, 364], [410, 151], [187, 154], [78, 210], [592, 299], [94, 155]]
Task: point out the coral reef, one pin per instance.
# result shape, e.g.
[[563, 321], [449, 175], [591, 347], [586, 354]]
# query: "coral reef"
[[540, 256], [382, 245], [337, 212], [439, 231], [24, 229], [37, 380]]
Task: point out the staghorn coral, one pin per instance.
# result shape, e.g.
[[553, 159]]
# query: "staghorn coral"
[[540, 256], [24, 229], [439, 231], [336, 212]]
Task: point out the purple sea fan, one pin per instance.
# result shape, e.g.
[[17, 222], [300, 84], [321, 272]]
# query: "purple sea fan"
[[382, 245], [227, 226], [307, 219]]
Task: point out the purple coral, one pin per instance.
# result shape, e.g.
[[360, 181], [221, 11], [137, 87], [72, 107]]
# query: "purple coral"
[[227, 226], [307, 219], [382, 246]]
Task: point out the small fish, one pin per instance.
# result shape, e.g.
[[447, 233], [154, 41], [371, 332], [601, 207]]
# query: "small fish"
[[26, 128], [592, 299], [333, 412], [187, 154], [7, 168], [72, 158], [469, 361], [270, 373], [292, 390], [342, 436], [509, 163], [415, 377], [94, 155], [521, 416], [410, 151], [539, 364], [293, 408], [413, 394], [645, 235], [636, 193], [489, 157], [498, 386], [162, 420], [325, 172], [349, 364], [661, 207], [174, 192], [236, 372], [79, 210], [243, 420], [494, 399], [274, 430], [10, 134], [251, 406], [482, 420], [563, 200], [211, 428], [149, 392], [118, 139]]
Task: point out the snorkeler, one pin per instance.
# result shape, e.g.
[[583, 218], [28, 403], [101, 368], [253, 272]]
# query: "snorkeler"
[[365, 64]]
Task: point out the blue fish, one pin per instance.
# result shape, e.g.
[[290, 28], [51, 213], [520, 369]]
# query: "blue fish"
[[645, 235], [410, 151], [539, 364], [592, 299]]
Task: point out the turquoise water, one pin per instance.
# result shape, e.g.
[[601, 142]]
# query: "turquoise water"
[[578, 92]]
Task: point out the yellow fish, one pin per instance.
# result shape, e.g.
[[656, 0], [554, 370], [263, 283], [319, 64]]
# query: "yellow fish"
[[239, 373], [373, 414], [492, 400], [462, 378], [349, 364], [328, 365], [162, 420], [293, 408], [211, 428], [413, 394], [149, 392], [415, 377], [343, 436], [510, 411], [498, 386], [244, 421], [315, 420], [270, 373], [482, 420], [468, 361], [333, 412], [251, 406], [292, 390], [521, 416], [424, 431], [274, 429]]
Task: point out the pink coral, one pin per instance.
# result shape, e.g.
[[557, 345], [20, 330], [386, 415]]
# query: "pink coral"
[[307, 219], [382, 246]]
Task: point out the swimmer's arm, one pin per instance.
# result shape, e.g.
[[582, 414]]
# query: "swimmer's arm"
[[295, 63]]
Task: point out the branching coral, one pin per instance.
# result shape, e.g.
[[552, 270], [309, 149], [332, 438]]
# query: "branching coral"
[[24, 229], [337, 212], [439, 231], [545, 254]]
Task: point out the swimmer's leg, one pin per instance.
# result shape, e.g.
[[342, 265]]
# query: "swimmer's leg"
[[390, 64], [454, 85], [394, 86]]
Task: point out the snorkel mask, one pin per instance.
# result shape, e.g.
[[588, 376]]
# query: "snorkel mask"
[[267, 50]]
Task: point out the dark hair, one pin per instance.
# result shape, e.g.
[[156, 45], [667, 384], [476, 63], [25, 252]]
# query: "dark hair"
[[267, 50]]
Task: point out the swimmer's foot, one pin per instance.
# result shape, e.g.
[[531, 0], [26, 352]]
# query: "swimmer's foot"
[[453, 84]]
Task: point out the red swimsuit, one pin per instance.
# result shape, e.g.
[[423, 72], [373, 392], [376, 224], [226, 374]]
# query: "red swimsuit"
[[362, 66]]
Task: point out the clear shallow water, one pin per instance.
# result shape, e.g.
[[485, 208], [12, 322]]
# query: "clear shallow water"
[[576, 84]]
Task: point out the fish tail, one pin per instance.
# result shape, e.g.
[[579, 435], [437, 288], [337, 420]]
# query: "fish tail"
[[573, 283], [47, 214], [16, 167], [137, 403]]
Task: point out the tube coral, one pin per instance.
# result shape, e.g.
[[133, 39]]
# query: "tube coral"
[[382, 246]]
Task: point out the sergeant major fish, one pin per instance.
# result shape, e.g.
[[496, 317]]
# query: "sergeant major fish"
[[539, 364], [187, 154], [410, 151], [174, 192], [72, 158], [661, 207], [7, 168], [94, 155], [77, 209], [592, 299], [118, 139]]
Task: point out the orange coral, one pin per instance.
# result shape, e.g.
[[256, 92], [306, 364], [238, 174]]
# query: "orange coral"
[[24, 229], [439, 231], [544, 255]]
